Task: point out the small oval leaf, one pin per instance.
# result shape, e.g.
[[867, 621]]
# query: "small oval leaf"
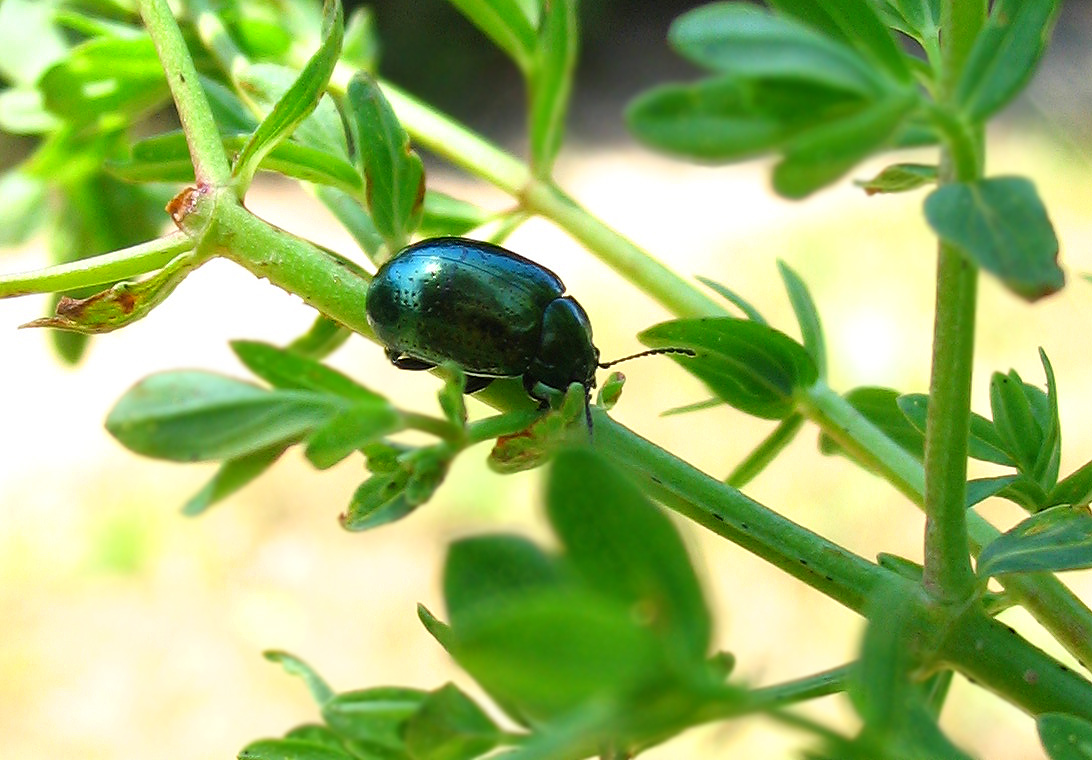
[[1056, 539]]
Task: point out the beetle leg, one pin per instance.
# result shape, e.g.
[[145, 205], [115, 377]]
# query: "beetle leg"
[[402, 361], [529, 384], [475, 383]]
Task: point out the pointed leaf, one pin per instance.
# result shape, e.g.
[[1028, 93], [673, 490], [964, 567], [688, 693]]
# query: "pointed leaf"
[[291, 749], [120, 305], [349, 430], [284, 368], [751, 366], [200, 416], [1076, 488], [299, 100], [1056, 539], [450, 726], [267, 84], [320, 690], [899, 178], [983, 488], [446, 216], [379, 500], [751, 42], [232, 476], [1005, 55], [811, 330], [824, 154], [394, 172], [1000, 224], [551, 82], [375, 717], [1048, 461], [504, 22], [853, 22], [724, 118], [353, 217], [1014, 418], [735, 299]]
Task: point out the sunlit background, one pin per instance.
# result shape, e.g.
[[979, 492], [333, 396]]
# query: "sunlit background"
[[130, 631]]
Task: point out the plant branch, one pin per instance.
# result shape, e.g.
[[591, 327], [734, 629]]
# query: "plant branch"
[[210, 163], [97, 270], [948, 575]]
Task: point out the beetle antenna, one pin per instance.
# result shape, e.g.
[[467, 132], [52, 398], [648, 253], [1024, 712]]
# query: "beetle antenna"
[[650, 352]]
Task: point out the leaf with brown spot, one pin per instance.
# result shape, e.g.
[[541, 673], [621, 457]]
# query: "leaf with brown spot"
[[121, 304]]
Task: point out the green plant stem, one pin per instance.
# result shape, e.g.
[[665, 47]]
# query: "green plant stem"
[[765, 452], [820, 563], [948, 575], [210, 163], [98, 270], [1041, 594], [999, 659]]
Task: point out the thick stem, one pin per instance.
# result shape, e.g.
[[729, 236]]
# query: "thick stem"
[[97, 270], [948, 574], [999, 659], [210, 163], [837, 572]]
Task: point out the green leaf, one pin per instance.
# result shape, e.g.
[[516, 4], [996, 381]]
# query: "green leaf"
[[298, 101], [394, 173], [880, 406], [985, 443], [105, 76], [291, 749], [29, 40], [323, 338], [445, 215], [753, 367], [1048, 462], [1005, 55], [320, 690], [735, 299], [452, 396], [353, 217], [1056, 539], [551, 651], [375, 717], [316, 734], [506, 23], [920, 17], [1024, 417], [450, 726], [487, 573], [195, 416], [349, 430], [379, 500], [725, 118], [854, 22], [284, 368], [1076, 488], [551, 82], [807, 315], [120, 305], [166, 158], [1065, 737], [899, 178], [752, 43], [1000, 224], [623, 546], [440, 630], [824, 154], [984, 488], [232, 476]]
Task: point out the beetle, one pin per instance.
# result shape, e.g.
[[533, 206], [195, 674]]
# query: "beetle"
[[487, 309]]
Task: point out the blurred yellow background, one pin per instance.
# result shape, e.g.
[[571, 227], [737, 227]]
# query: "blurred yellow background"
[[128, 630]]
